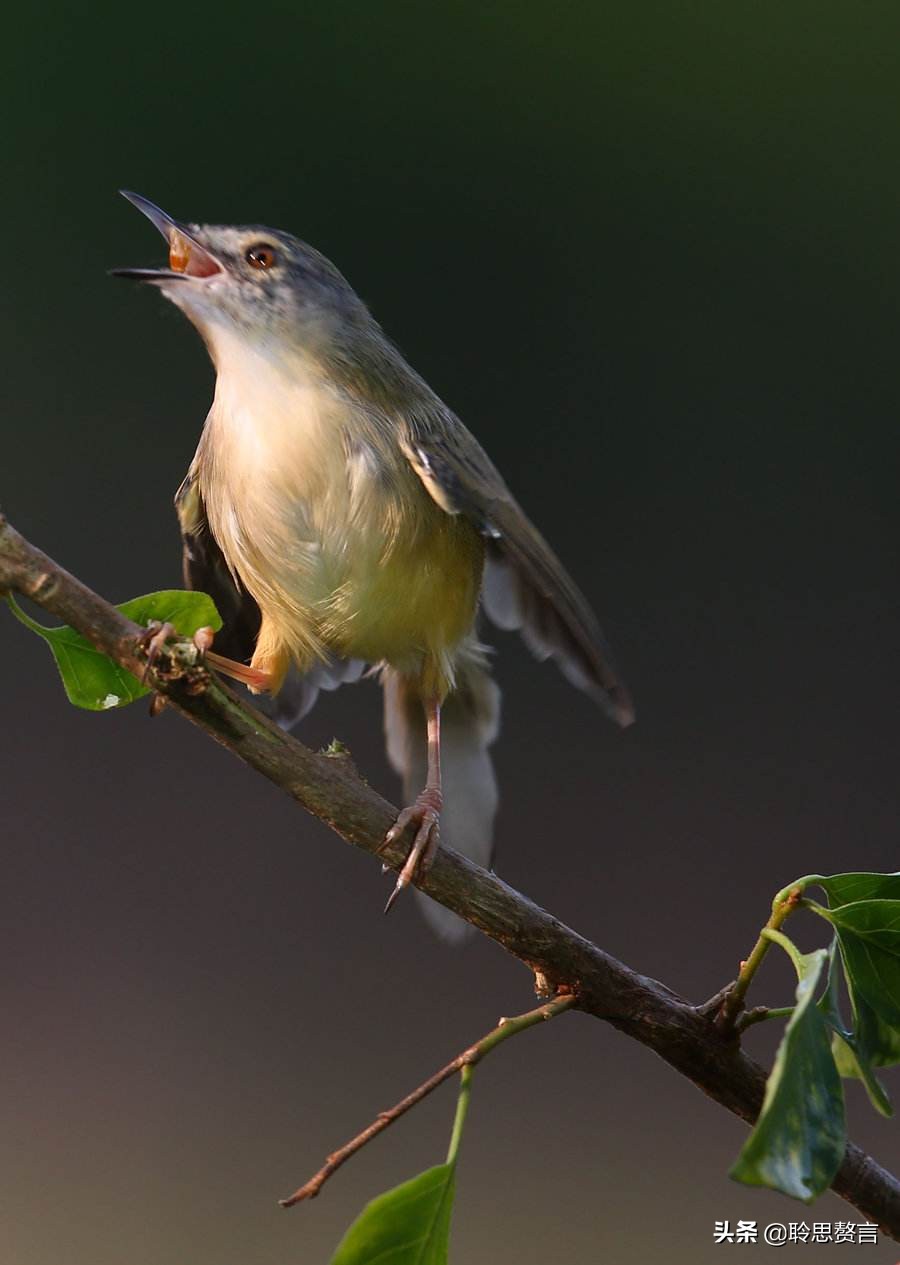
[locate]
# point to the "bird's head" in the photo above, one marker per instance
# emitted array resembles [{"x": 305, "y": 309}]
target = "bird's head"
[{"x": 263, "y": 287}]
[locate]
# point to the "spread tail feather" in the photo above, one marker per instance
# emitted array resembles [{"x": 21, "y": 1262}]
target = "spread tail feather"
[
  {"x": 298, "y": 694},
  {"x": 470, "y": 720}
]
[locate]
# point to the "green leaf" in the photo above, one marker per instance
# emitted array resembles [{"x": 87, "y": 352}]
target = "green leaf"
[
  {"x": 866, "y": 916},
  {"x": 798, "y": 1141},
  {"x": 409, "y": 1225},
  {"x": 870, "y": 951},
  {"x": 857, "y": 1055},
  {"x": 843, "y": 889},
  {"x": 875, "y": 922},
  {"x": 871, "y": 957},
  {"x": 92, "y": 680},
  {"x": 184, "y": 609},
  {"x": 868, "y": 932},
  {"x": 855, "y": 1051}
]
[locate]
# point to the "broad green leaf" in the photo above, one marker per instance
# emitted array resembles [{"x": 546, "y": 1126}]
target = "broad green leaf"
[
  {"x": 871, "y": 958},
  {"x": 798, "y": 1141},
  {"x": 855, "y": 1050},
  {"x": 843, "y": 889},
  {"x": 409, "y": 1225},
  {"x": 93, "y": 681},
  {"x": 880, "y": 1040},
  {"x": 871, "y": 1045},
  {"x": 184, "y": 609},
  {"x": 876, "y": 922}
]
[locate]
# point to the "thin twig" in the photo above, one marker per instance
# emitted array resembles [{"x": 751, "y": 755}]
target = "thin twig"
[
  {"x": 713, "y": 1004},
  {"x": 330, "y": 787},
  {"x": 759, "y": 1014},
  {"x": 467, "y": 1059},
  {"x": 733, "y": 1003}
]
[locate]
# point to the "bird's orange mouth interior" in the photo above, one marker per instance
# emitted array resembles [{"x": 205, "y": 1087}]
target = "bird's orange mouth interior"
[{"x": 187, "y": 257}]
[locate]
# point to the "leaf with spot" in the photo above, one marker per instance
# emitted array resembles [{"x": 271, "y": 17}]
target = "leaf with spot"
[
  {"x": 95, "y": 682},
  {"x": 798, "y": 1141}
]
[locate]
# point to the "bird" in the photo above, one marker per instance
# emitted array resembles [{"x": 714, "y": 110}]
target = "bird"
[{"x": 345, "y": 521}]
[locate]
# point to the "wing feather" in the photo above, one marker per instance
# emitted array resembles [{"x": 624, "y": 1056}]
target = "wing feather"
[
  {"x": 204, "y": 568},
  {"x": 526, "y": 587}
]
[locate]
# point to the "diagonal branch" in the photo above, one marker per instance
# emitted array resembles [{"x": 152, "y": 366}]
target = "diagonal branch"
[
  {"x": 466, "y": 1059},
  {"x": 330, "y": 787}
]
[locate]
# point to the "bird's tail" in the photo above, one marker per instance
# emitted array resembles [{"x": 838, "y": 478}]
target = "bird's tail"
[{"x": 470, "y": 720}]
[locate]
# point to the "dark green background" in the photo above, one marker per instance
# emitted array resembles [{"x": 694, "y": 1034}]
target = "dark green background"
[{"x": 651, "y": 255}]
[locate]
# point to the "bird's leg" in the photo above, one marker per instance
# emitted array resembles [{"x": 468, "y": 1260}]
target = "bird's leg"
[
  {"x": 254, "y": 678},
  {"x": 156, "y": 635},
  {"x": 425, "y": 813}
]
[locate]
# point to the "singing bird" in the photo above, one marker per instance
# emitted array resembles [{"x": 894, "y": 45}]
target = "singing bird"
[{"x": 343, "y": 518}]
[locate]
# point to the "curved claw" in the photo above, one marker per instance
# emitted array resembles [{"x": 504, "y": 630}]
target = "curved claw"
[
  {"x": 153, "y": 640},
  {"x": 426, "y": 814},
  {"x": 398, "y": 888}
]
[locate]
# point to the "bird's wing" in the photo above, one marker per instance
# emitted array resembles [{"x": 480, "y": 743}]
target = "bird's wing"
[
  {"x": 205, "y": 569},
  {"x": 525, "y": 587}
]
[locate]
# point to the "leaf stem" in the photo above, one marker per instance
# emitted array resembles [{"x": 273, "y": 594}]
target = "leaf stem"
[
  {"x": 785, "y": 904},
  {"x": 462, "y": 1106},
  {"x": 815, "y": 908},
  {"x": 464, "y": 1063},
  {"x": 25, "y": 619},
  {"x": 779, "y": 938},
  {"x": 760, "y": 1014}
]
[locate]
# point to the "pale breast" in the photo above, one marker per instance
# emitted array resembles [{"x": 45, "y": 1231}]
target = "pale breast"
[{"x": 319, "y": 513}]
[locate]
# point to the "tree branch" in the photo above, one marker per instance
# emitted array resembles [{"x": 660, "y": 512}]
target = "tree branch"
[
  {"x": 733, "y": 1002},
  {"x": 330, "y": 787},
  {"x": 467, "y": 1059}
]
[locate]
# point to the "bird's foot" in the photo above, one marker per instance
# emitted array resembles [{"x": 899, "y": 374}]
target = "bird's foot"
[
  {"x": 183, "y": 662},
  {"x": 156, "y": 636},
  {"x": 152, "y": 641},
  {"x": 254, "y": 678},
  {"x": 425, "y": 817}
]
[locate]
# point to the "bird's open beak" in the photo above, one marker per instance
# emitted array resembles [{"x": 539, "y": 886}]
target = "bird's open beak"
[{"x": 187, "y": 258}]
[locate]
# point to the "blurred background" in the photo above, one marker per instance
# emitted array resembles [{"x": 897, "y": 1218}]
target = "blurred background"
[{"x": 651, "y": 255}]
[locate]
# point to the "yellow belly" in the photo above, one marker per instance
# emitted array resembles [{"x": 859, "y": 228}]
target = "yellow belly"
[
  {"x": 415, "y": 601},
  {"x": 410, "y": 605},
  {"x": 320, "y": 514}
]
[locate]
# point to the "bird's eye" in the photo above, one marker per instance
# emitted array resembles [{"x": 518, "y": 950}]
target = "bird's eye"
[{"x": 261, "y": 256}]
